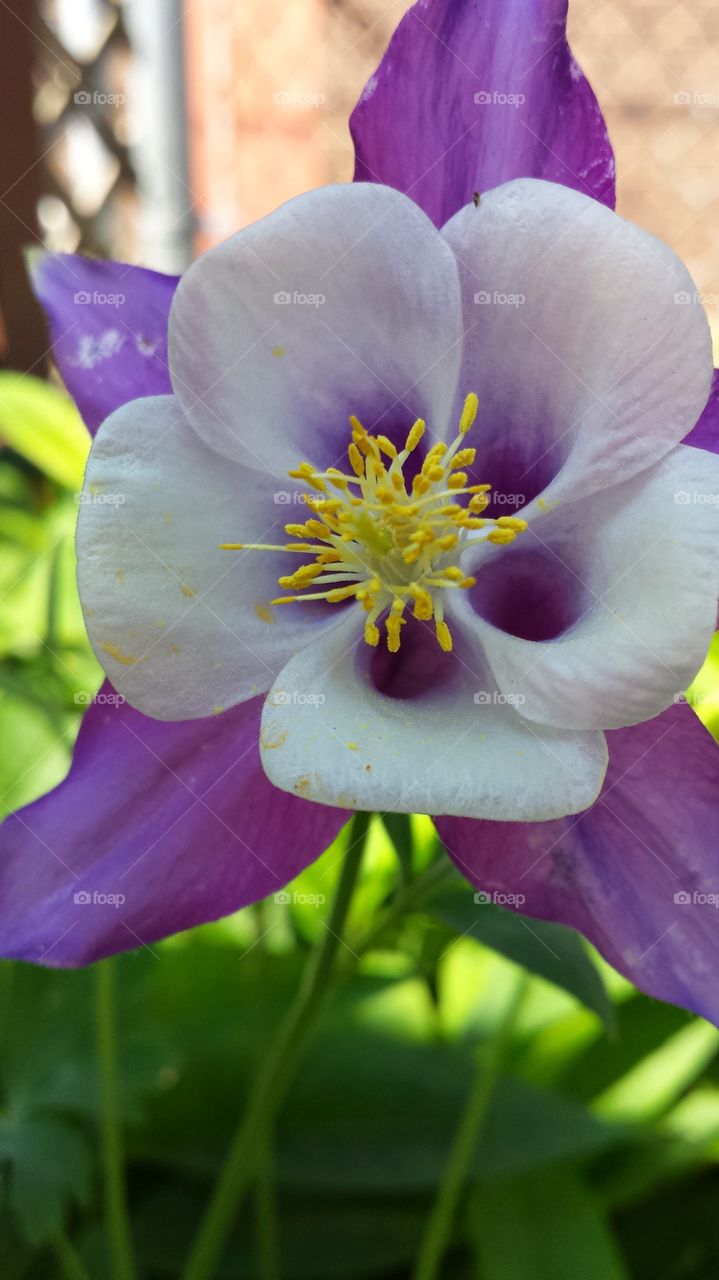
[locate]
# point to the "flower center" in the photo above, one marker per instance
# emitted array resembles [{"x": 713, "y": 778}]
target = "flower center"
[{"x": 389, "y": 546}]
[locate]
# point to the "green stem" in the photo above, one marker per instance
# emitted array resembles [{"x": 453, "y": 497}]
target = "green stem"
[
  {"x": 117, "y": 1217},
  {"x": 409, "y": 899},
  {"x": 266, "y": 1222},
  {"x": 441, "y": 1219},
  {"x": 69, "y": 1261},
  {"x": 53, "y": 598},
  {"x": 271, "y": 1082}
]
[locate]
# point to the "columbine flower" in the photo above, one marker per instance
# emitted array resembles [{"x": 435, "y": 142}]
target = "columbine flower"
[
  {"x": 474, "y": 662},
  {"x": 424, "y": 654}
]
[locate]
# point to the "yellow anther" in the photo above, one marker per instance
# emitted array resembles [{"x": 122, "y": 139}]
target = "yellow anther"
[
  {"x": 342, "y": 593},
  {"x": 307, "y": 472},
  {"x": 306, "y": 573},
  {"x": 386, "y": 446},
  {"x": 469, "y": 413},
  {"x": 316, "y": 529},
  {"x": 327, "y": 505},
  {"x": 363, "y": 539},
  {"x": 423, "y": 605},
  {"x": 364, "y": 444},
  {"x": 512, "y": 522},
  {"x": 444, "y": 635},
  {"x": 415, "y": 435},
  {"x": 464, "y": 458},
  {"x": 412, "y": 556},
  {"x": 356, "y": 461},
  {"x": 394, "y": 623}
]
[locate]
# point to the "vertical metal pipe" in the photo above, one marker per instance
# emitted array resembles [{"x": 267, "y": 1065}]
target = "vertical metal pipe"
[{"x": 158, "y": 122}]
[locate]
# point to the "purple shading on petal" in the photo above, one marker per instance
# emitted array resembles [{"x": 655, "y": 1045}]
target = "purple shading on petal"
[
  {"x": 419, "y": 667},
  {"x": 108, "y": 325},
  {"x": 638, "y": 873},
  {"x": 530, "y": 593},
  {"x": 705, "y": 435},
  {"x": 157, "y": 827},
  {"x": 472, "y": 93}
]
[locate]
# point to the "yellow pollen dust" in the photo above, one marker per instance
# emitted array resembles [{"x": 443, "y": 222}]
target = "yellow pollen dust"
[{"x": 388, "y": 545}]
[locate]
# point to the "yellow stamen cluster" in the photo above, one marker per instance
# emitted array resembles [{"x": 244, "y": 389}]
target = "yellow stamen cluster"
[{"x": 389, "y": 547}]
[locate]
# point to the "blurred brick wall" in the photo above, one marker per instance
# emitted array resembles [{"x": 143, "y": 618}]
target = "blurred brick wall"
[
  {"x": 293, "y": 71},
  {"x": 256, "y": 70},
  {"x": 655, "y": 68}
]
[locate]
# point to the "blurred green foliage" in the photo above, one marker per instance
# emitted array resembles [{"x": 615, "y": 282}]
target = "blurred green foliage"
[{"x": 599, "y": 1157}]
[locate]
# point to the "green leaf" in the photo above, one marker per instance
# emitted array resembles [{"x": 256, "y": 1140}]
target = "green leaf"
[
  {"x": 320, "y": 1238},
  {"x": 399, "y": 830},
  {"x": 549, "y": 950},
  {"x": 50, "y": 1167},
  {"x": 656, "y": 1083},
  {"x": 547, "y": 1226},
  {"x": 41, "y": 423},
  {"x": 40, "y": 752}
]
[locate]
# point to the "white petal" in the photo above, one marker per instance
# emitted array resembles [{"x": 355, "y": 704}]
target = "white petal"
[
  {"x": 182, "y": 628},
  {"x": 329, "y": 735},
  {"x": 645, "y": 556},
  {"x": 586, "y": 343},
  {"x": 345, "y": 300}
]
